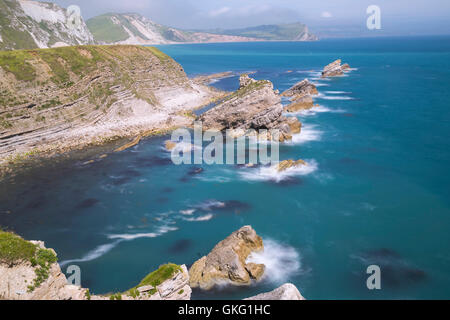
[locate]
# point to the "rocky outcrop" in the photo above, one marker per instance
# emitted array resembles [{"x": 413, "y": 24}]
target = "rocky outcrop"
[
  {"x": 254, "y": 106},
  {"x": 29, "y": 271},
  {"x": 335, "y": 69},
  {"x": 300, "y": 89},
  {"x": 63, "y": 98},
  {"x": 286, "y": 292},
  {"x": 288, "y": 164},
  {"x": 226, "y": 263},
  {"x": 245, "y": 80},
  {"x": 301, "y": 96}
]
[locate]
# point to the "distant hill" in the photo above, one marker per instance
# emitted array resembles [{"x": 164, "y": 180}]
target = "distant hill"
[
  {"x": 26, "y": 24},
  {"x": 133, "y": 28},
  {"x": 29, "y": 24},
  {"x": 281, "y": 32}
]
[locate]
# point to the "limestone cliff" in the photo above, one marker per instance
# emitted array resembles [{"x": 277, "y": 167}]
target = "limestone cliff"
[
  {"x": 254, "y": 106},
  {"x": 29, "y": 271},
  {"x": 27, "y": 24},
  {"x": 60, "y": 98}
]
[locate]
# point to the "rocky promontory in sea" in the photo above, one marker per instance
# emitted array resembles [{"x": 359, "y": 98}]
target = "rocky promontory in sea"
[
  {"x": 29, "y": 271},
  {"x": 335, "y": 69},
  {"x": 53, "y": 100},
  {"x": 254, "y": 106},
  {"x": 226, "y": 263},
  {"x": 301, "y": 96}
]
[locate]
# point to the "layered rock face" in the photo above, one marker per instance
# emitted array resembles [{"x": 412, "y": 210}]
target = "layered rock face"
[
  {"x": 61, "y": 98},
  {"x": 226, "y": 263},
  {"x": 286, "y": 292},
  {"x": 301, "y": 96},
  {"x": 288, "y": 164},
  {"x": 29, "y": 271},
  {"x": 335, "y": 69},
  {"x": 254, "y": 106}
]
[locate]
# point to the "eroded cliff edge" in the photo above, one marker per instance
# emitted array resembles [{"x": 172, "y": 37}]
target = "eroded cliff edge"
[{"x": 63, "y": 98}]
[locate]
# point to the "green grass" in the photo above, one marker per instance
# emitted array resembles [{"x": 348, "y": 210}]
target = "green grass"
[
  {"x": 158, "y": 53},
  {"x": 14, "y": 250},
  {"x": 104, "y": 30},
  {"x": 16, "y": 62},
  {"x": 154, "y": 279},
  {"x": 159, "y": 276}
]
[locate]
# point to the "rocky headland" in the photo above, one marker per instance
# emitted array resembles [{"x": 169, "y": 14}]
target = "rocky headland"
[{"x": 52, "y": 100}]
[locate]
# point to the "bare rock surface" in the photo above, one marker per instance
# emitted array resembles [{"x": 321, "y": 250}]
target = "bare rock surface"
[
  {"x": 226, "y": 263},
  {"x": 254, "y": 106},
  {"x": 334, "y": 69},
  {"x": 17, "y": 276},
  {"x": 286, "y": 292}
]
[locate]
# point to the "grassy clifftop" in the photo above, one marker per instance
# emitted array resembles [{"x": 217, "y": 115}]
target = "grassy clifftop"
[{"x": 44, "y": 92}]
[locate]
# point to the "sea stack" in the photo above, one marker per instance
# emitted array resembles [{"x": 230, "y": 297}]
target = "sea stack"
[
  {"x": 226, "y": 263},
  {"x": 335, "y": 69},
  {"x": 301, "y": 95},
  {"x": 254, "y": 106}
]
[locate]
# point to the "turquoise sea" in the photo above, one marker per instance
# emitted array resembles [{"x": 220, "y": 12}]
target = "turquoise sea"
[{"x": 377, "y": 191}]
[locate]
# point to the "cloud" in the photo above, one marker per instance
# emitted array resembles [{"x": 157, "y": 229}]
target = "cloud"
[
  {"x": 326, "y": 14},
  {"x": 219, "y": 12}
]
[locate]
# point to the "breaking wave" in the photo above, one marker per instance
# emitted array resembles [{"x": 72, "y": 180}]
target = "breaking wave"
[
  {"x": 282, "y": 261},
  {"x": 272, "y": 174}
]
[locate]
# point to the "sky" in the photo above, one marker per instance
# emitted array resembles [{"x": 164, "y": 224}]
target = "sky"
[{"x": 329, "y": 18}]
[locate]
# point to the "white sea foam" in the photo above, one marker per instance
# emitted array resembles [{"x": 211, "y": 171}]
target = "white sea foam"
[
  {"x": 325, "y": 97},
  {"x": 94, "y": 254},
  {"x": 105, "y": 248},
  {"x": 308, "y": 133},
  {"x": 337, "y": 92},
  {"x": 187, "y": 212},
  {"x": 208, "y": 205},
  {"x": 272, "y": 174},
  {"x": 281, "y": 261},
  {"x": 206, "y": 217}
]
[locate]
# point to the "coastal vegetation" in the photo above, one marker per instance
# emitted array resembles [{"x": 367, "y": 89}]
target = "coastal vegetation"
[{"x": 15, "y": 250}]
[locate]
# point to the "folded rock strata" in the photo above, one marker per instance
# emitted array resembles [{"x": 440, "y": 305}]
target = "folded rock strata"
[
  {"x": 334, "y": 69},
  {"x": 254, "y": 106},
  {"x": 301, "y": 96},
  {"x": 226, "y": 263}
]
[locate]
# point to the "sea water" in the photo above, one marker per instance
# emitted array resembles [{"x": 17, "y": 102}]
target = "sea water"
[{"x": 376, "y": 190}]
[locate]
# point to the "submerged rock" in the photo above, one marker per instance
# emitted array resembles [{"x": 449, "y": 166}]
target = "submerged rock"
[
  {"x": 286, "y": 292},
  {"x": 254, "y": 106},
  {"x": 334, "y": 69},
  {"x": 226, "y": 263},
  {"x": 287, "y": 164},
  {"x": 170, "y": 145}
]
